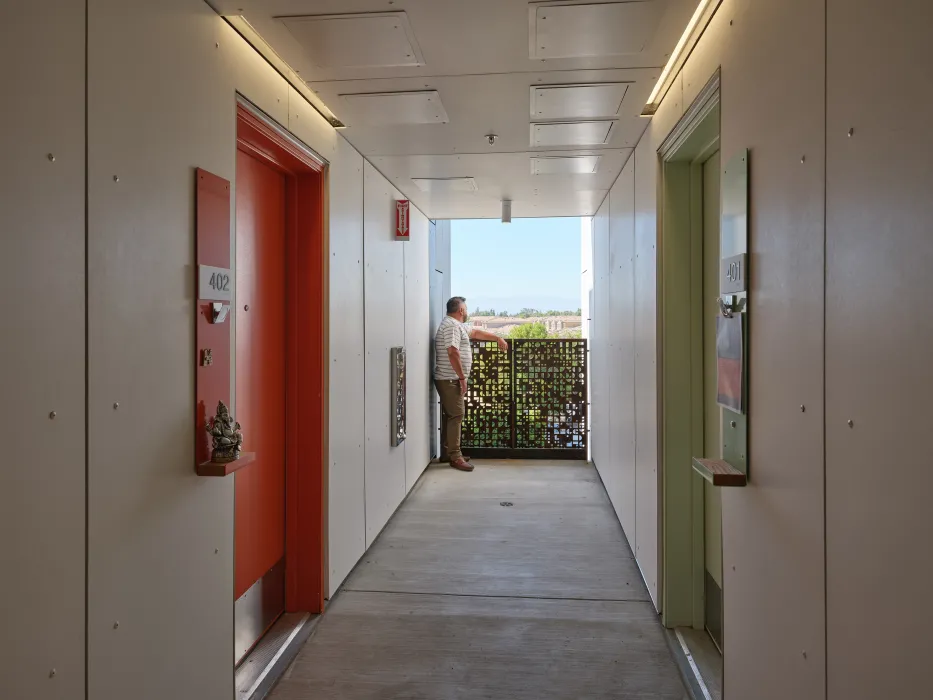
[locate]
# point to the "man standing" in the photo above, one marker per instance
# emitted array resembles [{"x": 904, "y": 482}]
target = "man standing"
[{"x": 454, "y": 359}]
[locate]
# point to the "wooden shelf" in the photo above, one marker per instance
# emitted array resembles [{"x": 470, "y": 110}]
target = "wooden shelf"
[
  {"x": 719, "y": 472},
  {"x": 225, "y": 468}
]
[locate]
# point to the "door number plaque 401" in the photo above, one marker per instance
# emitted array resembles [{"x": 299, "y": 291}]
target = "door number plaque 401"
[{"x": 732, "y": 275}]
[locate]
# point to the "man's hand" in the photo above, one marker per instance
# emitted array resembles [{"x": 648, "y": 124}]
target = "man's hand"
[
  {"x": 463, "y": 387},
  {"x": 503, "y": 344}
]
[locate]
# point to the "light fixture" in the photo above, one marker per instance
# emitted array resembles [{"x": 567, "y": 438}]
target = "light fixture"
[
  {"x": 506, "y": 211},
  {"x": 254, "y": 39},
  {"x": 701, "y": 17}
]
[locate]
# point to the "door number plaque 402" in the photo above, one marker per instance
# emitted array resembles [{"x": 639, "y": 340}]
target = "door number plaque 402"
[{"x": 215, "y": 283}]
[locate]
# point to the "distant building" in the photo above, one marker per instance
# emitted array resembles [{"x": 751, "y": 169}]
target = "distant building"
[{"x": 503, "y": 325}]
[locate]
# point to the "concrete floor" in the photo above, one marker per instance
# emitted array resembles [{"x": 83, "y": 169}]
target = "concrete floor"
[{"x": 464, "y": 598}]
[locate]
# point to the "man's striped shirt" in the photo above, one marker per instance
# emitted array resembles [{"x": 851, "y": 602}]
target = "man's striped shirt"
[{"x": 452, "y": 334}]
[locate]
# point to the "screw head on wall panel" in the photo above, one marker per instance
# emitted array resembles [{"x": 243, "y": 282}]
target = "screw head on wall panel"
[
  {"x": 116, "y": 405},
  {"x": 851, "y": 132},
  {"x": 116, "y": 178},
  {"x": 52, "y": 415},
  {"x": 732, "y": 424},
  {"x": 803, "y": 159},
  {"x": 51, "y": 158},
  {"x": 803, "y": 408},
  {"x": 116, "y": 625},
  {"x": 851, "y": 424},
  {"x": 53, "y": 673}
]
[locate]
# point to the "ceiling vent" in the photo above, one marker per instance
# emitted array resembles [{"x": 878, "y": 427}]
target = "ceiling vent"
[
  {"x": 365, "y": 40},
  {"x": 568, "y": 30},
  {"x": 577, "y": 101},
  {"x": 590, "y": 133},
  {"x": 391, "y": 108},
  {"x": 564, "y": 165},
  {"x": 442, "y": 185}
]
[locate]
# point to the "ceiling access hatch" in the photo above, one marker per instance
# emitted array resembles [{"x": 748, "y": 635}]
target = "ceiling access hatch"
[
  {"x": 565, "y": 30},
  {"x": 442, "y": 185},
  {"x": 589, "y": 133},
  {"x": 393, "y": 108},
  {"x": 363, "y": 40},
  {"x": 564, "y": 165},
  {"x": 577, "y": 101}
]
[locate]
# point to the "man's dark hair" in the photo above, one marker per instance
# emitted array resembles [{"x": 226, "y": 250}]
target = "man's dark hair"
[{"x": 453, "y": 304}]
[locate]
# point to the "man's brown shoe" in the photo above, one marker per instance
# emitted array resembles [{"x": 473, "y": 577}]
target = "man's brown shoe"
[
  {"x": 462, "y": 465},
  {"x": 446, "y": 460}
]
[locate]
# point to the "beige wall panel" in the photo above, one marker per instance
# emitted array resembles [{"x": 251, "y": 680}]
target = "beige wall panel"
[
  {"x": 600, "y": 410},
  {"x": 879, "y": 337},
  {"x": 162, "y": 101},
  {"x": 773, "y": 529},
  {"x": 384, "y": 289},
  {"x": 778, "y": 518},
  {"x": 308, "y": 125},
  {"x": 255, "y": 80},
  {"x": 346, "y": 512},
  {"x": 646, "y": 545},
  {"x": 42, "y": 359},
  {"x": 418, "y": 343},
  {"x": 622, "y": 347},
  {"x": 669, "y": 113},
  {"x": 648, "y": 534}
]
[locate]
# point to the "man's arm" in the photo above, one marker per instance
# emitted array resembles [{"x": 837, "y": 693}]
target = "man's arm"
[
  {"x": 477, "y": 334},
  {"x": 454, "y": 354}
]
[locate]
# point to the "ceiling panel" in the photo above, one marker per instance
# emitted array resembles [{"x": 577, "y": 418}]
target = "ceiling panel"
[
  {"x": 501, "y": 176},
  {"x": 570, "y": 30},
  {"x": 356, "y": 40},
  {"x": 477, "y": 105},
  {"x": 457, "y": 37},
  {"x": 570, "y": 134},
  {"x": 577, "y": 101},
  {"x": 388, "y": 108},
  {"x": 445, "y": 185},
  {"x": 467, "y": 71},
  {"x": 557, "y": 165}
]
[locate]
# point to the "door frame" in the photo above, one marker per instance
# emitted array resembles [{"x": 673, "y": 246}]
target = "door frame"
[
  {"x": 680, "y": 356},
  {"x": 306, "y": 391}
]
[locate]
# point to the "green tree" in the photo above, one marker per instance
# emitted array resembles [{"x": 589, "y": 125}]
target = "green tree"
[
  {"x": 484, "y": 312},
  {"x": 528, "y": 313},
  {"x": 529, "y": 330},
  {"x": 504, "y": 314}
]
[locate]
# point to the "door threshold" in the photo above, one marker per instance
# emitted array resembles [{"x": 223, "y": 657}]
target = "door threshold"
[
  {"x": 698, "y": 660},
  {"x": 272, "y": 655}
]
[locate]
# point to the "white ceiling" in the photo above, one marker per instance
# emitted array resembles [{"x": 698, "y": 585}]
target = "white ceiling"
[{"x": 471, "y": 59}]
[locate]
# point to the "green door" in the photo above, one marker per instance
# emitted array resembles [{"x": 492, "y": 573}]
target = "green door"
[{"x": 712, "y": 414}]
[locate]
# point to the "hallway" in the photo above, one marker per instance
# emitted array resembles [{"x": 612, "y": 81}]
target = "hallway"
[{"x": 465, "y": 597}]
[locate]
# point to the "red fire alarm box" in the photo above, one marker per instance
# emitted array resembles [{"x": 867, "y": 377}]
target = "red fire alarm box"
[{"x": 402, "y": 228}]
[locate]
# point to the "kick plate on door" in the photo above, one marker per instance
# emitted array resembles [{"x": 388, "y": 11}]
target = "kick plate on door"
[{"x": 257, "y": 609}]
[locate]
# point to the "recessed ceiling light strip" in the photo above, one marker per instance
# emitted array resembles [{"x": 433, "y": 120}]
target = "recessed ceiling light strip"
[{"x": 695, "y": 28}]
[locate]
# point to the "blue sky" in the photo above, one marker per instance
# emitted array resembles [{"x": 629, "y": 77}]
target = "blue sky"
[{"x": 532, "y": 263}]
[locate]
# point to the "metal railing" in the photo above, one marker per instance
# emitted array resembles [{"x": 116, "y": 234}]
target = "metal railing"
[{"x": 529, "y": 402}]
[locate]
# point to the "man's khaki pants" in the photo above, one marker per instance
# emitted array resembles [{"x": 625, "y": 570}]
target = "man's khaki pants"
[{"x": 451, "y": 418}]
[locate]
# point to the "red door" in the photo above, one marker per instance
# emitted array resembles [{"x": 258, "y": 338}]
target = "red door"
[{"x": 260, "y": 399}]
